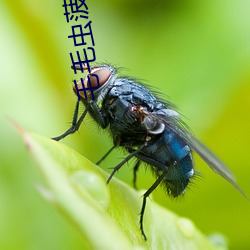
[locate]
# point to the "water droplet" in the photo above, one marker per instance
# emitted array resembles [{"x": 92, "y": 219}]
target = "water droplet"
[
  {"x": 94, "y": 185},
  {"x": 186, "y": 226}
]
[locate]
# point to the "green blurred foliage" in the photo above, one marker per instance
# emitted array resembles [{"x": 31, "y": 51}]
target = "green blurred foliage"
[
  {"x": 197, "y": 53},
  {"x": 101, "y": 212}
]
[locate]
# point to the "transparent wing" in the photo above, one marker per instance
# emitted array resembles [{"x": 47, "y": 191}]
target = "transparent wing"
[
  {"x": 208, "y": 156},
  {"x": 175, "y": 124}
]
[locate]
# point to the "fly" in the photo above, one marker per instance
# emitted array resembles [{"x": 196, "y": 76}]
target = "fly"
[{"x": 149, "y": 128}]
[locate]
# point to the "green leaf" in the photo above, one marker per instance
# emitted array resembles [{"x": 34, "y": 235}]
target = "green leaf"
[{"x": 107, "y": 215}]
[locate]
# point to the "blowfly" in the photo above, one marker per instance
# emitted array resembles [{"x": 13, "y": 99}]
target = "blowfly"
[{"x": 148, "y": 127}]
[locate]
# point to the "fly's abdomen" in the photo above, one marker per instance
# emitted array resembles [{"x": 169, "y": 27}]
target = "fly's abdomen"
[
  {"x": 180, "y": 165},
  {"x": 170, "y": 155},
  {"x": 178, "y": 176}
]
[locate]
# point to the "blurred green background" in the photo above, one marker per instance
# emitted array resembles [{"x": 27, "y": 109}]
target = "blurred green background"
[{"x": 197, "y": 53}]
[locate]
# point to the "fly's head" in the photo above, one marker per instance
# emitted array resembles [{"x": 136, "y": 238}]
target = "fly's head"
[{"x": 106, "y": 75}]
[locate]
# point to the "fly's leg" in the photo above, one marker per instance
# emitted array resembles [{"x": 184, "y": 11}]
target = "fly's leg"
[
  {"x": 145, "y": 196},
  {"x": 125, "y": 160},
  {"x": 75, "y": 124},
  {"x": 100, "y": 117},
  {"x": 136, "y": 167},
  {"x": 105, "y": 155}
]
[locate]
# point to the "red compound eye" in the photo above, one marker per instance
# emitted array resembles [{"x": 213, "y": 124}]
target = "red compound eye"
[{"x": 103, "y": 75}]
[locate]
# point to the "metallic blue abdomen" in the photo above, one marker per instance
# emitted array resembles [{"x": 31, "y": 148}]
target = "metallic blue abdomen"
[{"x": 169, "y": 153}]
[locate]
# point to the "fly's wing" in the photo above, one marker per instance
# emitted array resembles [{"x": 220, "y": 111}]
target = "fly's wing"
[
  {"x": 212, "y": 160},
  {"x": 175, "y": 124}
]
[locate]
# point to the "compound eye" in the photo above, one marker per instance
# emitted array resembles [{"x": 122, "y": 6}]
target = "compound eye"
[{"x": 102, "y": 74}]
